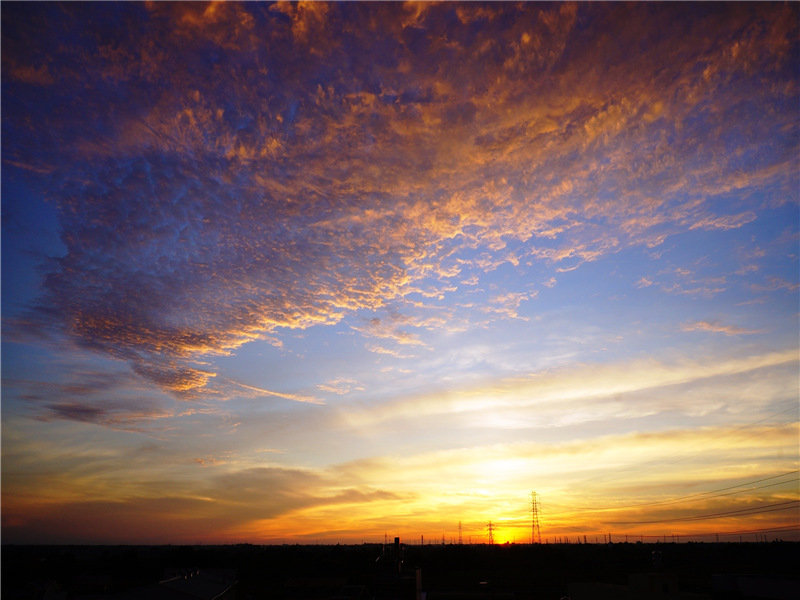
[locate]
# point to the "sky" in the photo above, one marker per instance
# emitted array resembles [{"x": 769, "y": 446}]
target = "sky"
[{"x": 323, "y": 273}]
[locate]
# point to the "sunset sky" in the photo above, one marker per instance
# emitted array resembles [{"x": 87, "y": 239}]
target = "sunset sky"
[{"x": 319, "y": 273}]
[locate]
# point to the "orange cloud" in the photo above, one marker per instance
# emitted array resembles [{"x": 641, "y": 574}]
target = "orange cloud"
[
  {"x": 202, "y": 204},
  {"x": 725, "y": 222},
  {"x": 716, "y": 327}
]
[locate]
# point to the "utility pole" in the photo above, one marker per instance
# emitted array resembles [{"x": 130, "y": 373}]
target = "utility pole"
[
  {"x": 536, "y": 534},
  {"x": 490, "y": 527}
]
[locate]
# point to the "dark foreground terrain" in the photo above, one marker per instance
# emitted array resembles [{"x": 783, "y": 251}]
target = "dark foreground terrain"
[{"x": 399, "y": 572}]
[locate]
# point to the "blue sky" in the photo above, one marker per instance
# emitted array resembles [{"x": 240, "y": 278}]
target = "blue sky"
[{"x": 394, "y": 266}]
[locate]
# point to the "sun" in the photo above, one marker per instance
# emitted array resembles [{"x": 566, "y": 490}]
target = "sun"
[{"x": 501, "y": 540}]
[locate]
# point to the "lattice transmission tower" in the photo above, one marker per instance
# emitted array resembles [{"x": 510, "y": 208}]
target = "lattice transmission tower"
[
  {"x": 536, "y": 534},
  {"x": 490, "y": 527},
  {"x": 460, "y": 540}
]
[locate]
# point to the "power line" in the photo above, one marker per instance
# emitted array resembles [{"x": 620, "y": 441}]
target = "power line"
[
  {"x": 730, "y": 487},
  {"x": 758, "y": 487},
  {"x": 756, "y": 510},
  {"x": 689, "y": 535},
  {"x": 766, "y": 530},
  {"x": 785, "y": 529},
  {"x": 719, "y": 492},
  {"x": 692, "y": 450},
  {"x": 682, "y": 499}
]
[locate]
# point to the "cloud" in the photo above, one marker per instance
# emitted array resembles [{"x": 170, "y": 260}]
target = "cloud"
[
  {"x": 108, "y": 398},
  {"x": 716, "y": 327},
  {"x": 775, "y": 283},
  {"x": 204, "y": 462},
  {"x": 40, "y": 75},
  {"x": 615, "y": 462},
  {"x": 211, "y": 509},
  {"x": 189, "y": 152},
  {"x": 506, "y": 305},
  {"x": 124, "y": 414},
  {"x": 179, "y": 380},
  {"x": 340, "y": 386},
  {"x": 381, "y": 350},
  {"x": 726, "y": 221},
  {"x": 262, "y": 392},
  {"x": 475, "y": 482},
  {"x": 593, "y": 392},
  {"x": 391, "y": 329},
  {"x": 395, "y": 489}
]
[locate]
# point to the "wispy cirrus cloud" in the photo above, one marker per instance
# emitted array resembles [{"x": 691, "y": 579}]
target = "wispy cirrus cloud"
[
  {"x": 378, "y": 349},
  {"x": 717, "y": 327},
  {"x": 208, "y": 462},
  {"x": 592, "y": 391},
  {"x": 773, "y": 283},
  {"x": 340, "y": 386},
  {"x": 257, "y": 391}
]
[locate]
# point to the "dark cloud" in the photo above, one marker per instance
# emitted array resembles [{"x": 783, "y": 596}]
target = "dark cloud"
[
  {"x": 207, "y": 511},
  {"x": 223, "y": 171},
  {"x": 111, "y": 399},
  {"x": 125, "y": 413}
]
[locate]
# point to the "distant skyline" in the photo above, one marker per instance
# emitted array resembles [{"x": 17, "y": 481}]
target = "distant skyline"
[{"x": 330, "y": 272}]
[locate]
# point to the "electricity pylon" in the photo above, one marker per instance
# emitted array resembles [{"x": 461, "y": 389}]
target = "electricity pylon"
[
  {"x": 460, "y": 541},
  {"x": 536, "y": 535},
  {"x": 490, "y": 527}
]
